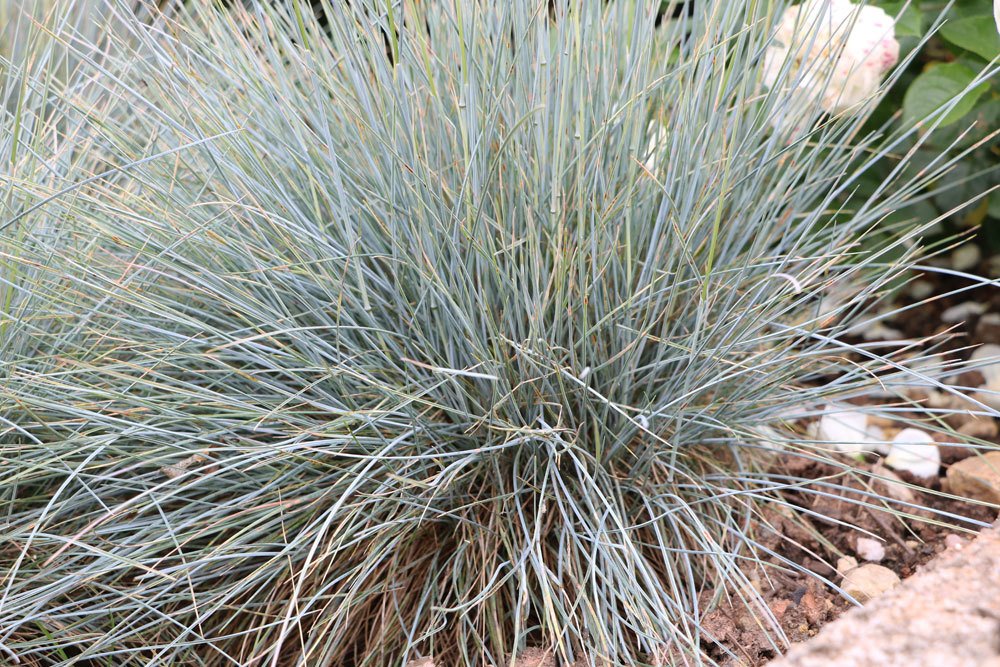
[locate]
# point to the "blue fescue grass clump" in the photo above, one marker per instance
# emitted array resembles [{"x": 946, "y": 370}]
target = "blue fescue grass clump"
[{"x": 421, "y": 328}]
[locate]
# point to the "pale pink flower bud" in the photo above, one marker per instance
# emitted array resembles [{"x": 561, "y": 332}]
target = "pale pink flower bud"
[{"x": 836, "y": 53}]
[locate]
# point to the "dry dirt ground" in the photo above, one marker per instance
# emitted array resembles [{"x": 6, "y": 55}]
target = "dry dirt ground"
[
  {"x": 945, "y": 615},
  {"x": 801, "y": 604}
]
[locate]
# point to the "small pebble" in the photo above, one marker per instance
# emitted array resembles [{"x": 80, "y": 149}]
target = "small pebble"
[
  {"x": 993, "y": 266},
  {"x": 988, "y": 328},
  {"x": 921, "y": 289},
  {"x": 915, "y": 452},
  {"x": 979, "y": 427},
  {"x": 990, "y": 396},
  {"x": 953, "y": 541},
  {"x": 779, "y": 607},
  {"x": 869, "y": 581},
  {"x": 877, "y": 436},
  {"x": 977, "y": 477},
  {"x": 966, "y": 257},
  {"x": 813, "y": 608},
  {"x": 946, "y": 400},
  {"x": 986, "y": 359},
  {"x": 845, "y": 564},
  {"x": 888, "y": 482},
  {"x": 846, "y": 430},
  {"x": 879, "y": 331},
  {"x": 870, "y": 550},
  {"x": 963, "y": 311},
  {"x": 770, "y": 439}
]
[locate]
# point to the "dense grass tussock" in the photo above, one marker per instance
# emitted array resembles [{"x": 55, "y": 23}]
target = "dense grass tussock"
[{"x": 430, "y": 328}]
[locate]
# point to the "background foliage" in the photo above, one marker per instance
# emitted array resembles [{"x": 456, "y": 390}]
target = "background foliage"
[{"x": 964, "y": 40}]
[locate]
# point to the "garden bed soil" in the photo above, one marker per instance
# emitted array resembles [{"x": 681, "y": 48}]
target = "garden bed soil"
[
  {"x": 948, "y": 614},
  {"x": 799, "y": 602}
]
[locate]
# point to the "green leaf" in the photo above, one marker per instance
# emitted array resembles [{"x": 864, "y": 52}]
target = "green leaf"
[
  {"x": 977, "y": 34},
  {"x": 986, "y": 117},
  {"x": 937, "y": 87},
  {"x": 963, "y": 8},
  {"x": 994, "y": 207},
  {"x": 909, "y": 21}
]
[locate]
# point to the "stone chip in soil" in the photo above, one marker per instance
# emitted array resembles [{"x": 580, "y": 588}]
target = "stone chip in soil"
[
  {"x": 870, "y": 549},
  {"x": 869, "y": 581},
  {"x": 976, "y": 477},
  {"x": 421, "y": 662}
]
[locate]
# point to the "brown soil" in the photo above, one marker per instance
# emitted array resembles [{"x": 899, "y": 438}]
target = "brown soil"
[
  {"x": 925, "y": 319},
  {"x": 800, "y": 603},
  {"x": 946, "y": 615}
]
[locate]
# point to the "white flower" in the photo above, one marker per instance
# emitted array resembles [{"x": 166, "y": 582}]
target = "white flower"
[
  {"x": 996, "y": 13},
  {"x": 835, "y": 52}
]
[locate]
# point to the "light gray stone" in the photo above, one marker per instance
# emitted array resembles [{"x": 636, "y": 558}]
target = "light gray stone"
[
  {"x": 869, "y": 581},
  {"x": 870, "y": 549},
  {"x": 977, "y": 477}
]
